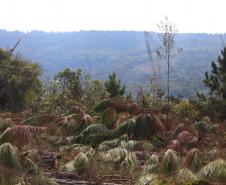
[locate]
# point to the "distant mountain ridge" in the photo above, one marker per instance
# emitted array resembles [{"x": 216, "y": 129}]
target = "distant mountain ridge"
[{"x": 101, "y": 52}]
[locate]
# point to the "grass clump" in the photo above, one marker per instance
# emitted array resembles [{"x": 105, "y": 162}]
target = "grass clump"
[
  {"x": 170, "y": 162},
  {"x": 193, "y": 160},
  {"x": 42, "y": 180},
  {"x": 9, "y": 165},
  {"x": 185, "y": 177},
  {"x": 79, "y": 164},
  {"x": 214, "y": 171},
  {"x": 115, "y": 155},
  {"x": 153, "y": 164},
  {"x": 5, "y": 123}
]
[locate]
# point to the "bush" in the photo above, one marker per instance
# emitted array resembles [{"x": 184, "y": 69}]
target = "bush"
[
  {"x": 185, "y": 109},
  {"x": 214, "y": 171},
  {"x": 193, "y": 160},
  {"x": 185, "y": 177},
  {"x": 79, "y": 164},
  {"x": 20, "y": 83},
  {"x": 170, "y": 162}
]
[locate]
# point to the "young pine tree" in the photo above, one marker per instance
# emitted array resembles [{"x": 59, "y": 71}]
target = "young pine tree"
[
  {"x": 216, "y": 82},
  {"x": 113, "y": 86}
]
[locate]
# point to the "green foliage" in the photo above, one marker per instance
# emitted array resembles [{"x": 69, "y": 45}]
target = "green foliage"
[
  {"x": 121, "y": 51},
  {"x": 142, "y": 127},
  {"x": 150, "y": 179},
  {"x": 214, "y": 153},
  {"x": 70, "y": 88},
  {"x": 131, "y": 145},
  {"x": 8, "y": 163},
  {"x": 79, "y": 164},
  {"x": 93, "y": 93},
  {"x": 125, "y": 128},
  {"x": 74, "y": 126},
  {"x": 122, "y": 156},
  {"x": 130, "y": 162},
  {"x": 93, "y": 135},
  {"x": 13, "y": 167},
  {"x": 170, "y": 162},
  {"x": 4, "y": 124},
  {"x": 185, "y": 177},
  {"x": 185, "y": 109},
  {"x": 114, "y": 87},
  {"x": 65, "y": 90},
  {"x": 101, "y": 105},
  {"x": 70, "y": 125},
  {"x": 202, "y": 126},
  {"x": 149, "y": 96},
  {"x": 153, "y": 164},
  {"x": 28, "y": 165},
  {"x": 115, "y": 155},
  {"x": 216, "y": 82},
  {"x": 20, "y": 83},
  {"x": 109, "y": 144},
  {"x": 8, "y": 156},
  {"x": 118, "y": 142},
  {"x": 152, "y": 159},
  {"x": 193, "y": 160},
  {"x": 70, "y": 82},
  {"x": 214, "y": 171},
  {"x": 145, "y": 126}
]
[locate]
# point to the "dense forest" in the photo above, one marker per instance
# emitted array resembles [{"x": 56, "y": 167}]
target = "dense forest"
[{"x": 101, "y": 52}]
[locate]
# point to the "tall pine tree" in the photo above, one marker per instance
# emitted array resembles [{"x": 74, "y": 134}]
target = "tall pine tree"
[{"x": 216, "y": 80}]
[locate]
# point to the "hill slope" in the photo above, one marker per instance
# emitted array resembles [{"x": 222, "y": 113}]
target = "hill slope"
[{"x": 101, "y": 52}]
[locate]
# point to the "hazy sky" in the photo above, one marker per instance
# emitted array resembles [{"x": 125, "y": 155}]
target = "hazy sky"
[{"x": 73, "y": 15}]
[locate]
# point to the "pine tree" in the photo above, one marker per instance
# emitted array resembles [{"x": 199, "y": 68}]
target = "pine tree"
[
  {"x": 216, "y": 81},
  {"x": 113, "y": 86}
]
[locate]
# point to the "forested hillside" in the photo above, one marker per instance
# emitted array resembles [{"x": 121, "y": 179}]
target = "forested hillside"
[{"x": 101, "y": 52}]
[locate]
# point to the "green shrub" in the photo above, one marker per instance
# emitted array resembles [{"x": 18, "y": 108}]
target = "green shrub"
[
  {"x": 5, "y": 123},
  {"x": 170, "y": 162},
  {"x": 193, "y": 159},
  {"x": 185, "y": 109},
  {"x": 202, "y": 126},
  {"x": 153, "y": 164},
  {"x": 185, "y": 177},
  {"x": 214, "y": 171},
  {"x": 126, "y": 128},
  {"x": 79, "y": 164},
  {"x": 20, "y": 83}
]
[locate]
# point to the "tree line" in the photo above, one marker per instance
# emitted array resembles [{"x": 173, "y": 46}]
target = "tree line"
[{"x": 21, "y": 88}]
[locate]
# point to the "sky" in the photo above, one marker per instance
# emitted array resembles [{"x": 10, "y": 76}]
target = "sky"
[{"x": 139, "y": 15}]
